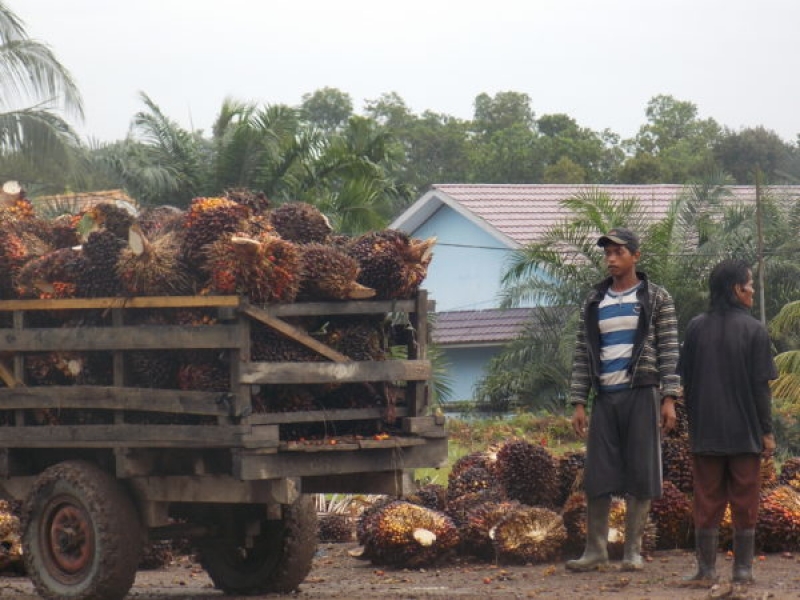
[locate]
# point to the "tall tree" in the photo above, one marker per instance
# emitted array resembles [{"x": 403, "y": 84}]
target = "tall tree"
[
  {"x": 37, "y": 93},
  {"x": 506, "y": 110},
  {"x": 740, "y": 153},
  {"x": 327, "y": 108}
]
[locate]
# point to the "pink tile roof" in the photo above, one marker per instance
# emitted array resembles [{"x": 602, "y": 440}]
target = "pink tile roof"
[
  {"x": 480, "y": 326},
  {"x": 524, "y": 212}
]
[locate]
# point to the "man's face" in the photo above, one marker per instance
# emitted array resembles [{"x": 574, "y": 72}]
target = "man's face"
[
  {"x": 619, "y": 260},
  {"x": 745, "y": 292}
]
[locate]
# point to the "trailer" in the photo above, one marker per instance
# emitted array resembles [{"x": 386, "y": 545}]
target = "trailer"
[{"x": 101, "y": 469}]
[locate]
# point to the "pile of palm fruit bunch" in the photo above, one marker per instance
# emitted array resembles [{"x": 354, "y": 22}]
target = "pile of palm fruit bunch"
[{"x": 237, "y": 243}]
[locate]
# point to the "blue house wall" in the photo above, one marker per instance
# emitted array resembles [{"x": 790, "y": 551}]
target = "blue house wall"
[
  {"x": 467, "y": 264},
  {"x": 466, "y": 368}
]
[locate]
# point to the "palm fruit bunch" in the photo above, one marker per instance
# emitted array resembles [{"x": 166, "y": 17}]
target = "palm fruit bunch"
[
  {"x": 264, "y": 268},
  {"x": 366, "y": 521},
  {"x": 360, "y": 338},
  {"x": 790, "y": 472},
  {"x": 54, "y": 368},
  {"x": 570, "y": 474},
  {"x": 672, "y": 516},
  {"x": 768, "y": 473},
  {"x": 14, "y": 252},
  {"x": 473, "y": 479},
  {"x": 146, "y": 268},
  {"x": 478, "y": 528},
  {"x": 458, "y": 508},
  {"x": 528, "y": 472},
  {"x": 574, "y": 514},
  {"x": 484, "y": 459},
  {"x": 159, "y": 220},
  {"x": 98, "y": 278},
  {"x": 300, "y": 222},
  {"x": 53, "y": 275},
  {"x": 431, "y": 495},
  {"x": 335, "y": 528},
  {"x": 616, "y": 531},
  {"x": 351, "y": 395},
  {"x": 529, "y": 534},
  {"x": 203, "y": 370},
  {"x": 726, "y": 529},
  {"x": 391, "y": 262},
  {"x": 112, "y": 218},
  {"x": 408, "y": 535},
  {"x": 257, "y": 202},
  {"x": 10, "y": 541},
  {"x": 778, "y": 527},
  {"x": 61, "y": 232},
  {"x": 330, "y": 274},
  {"x": 152, "y": 368},
  {"x": 206, "y": 221},
  {"x": 677, "y": 463}
]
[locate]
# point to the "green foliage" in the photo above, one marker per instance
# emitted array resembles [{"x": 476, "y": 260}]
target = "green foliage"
[{"x": 553, "y": 431}]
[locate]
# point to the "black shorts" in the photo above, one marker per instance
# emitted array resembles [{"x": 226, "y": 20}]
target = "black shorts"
[{"x": 623, "y": 450}]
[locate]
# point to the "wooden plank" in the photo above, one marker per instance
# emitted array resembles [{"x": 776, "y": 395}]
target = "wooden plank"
[
  {"x": 391, "y": 483},
  {"x": 113, "y": 436},
  {"x": 350, "y": 307},
  {"x": 331, "y": 445},
  {"x": 288, "y": 372},
  {"x": 116, "y": 398},
  {"x": 248, "y": 466},
  {"x": 342, "y": 414},
  {"x": 138, "y": 337},
  {"x": 298, "y": 335},
  {"x": 216, "y": 488},
  {"x": 134, "y": 302}
]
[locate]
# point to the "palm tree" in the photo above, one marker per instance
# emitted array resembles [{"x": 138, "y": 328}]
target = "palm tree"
[{"x": 35, "y": 90}]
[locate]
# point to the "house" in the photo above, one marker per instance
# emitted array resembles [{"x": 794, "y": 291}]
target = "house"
[{"x": 478, "y": 227}]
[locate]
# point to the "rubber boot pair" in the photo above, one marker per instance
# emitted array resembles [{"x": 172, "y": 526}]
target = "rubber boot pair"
[
  {"x": 636, "y": 512},
  {"x": 595, "y": 555},
  {"x": 706, "y": 543},
  {"x": 743, "y": 549}
]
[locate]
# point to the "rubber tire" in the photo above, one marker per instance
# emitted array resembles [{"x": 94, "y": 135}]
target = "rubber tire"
[
  {"x": 279, "y": 560},
  {"x": 80, "y": 491}
]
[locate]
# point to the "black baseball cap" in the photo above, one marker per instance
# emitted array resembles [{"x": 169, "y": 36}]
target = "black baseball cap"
[{"x": 622, "y": 236}]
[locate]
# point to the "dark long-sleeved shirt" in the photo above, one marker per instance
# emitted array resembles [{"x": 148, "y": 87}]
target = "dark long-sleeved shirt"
[{"x": 726, "y": 365}]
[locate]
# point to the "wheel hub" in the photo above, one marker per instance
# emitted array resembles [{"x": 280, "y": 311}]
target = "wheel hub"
[{"x": 70, "y": 541}]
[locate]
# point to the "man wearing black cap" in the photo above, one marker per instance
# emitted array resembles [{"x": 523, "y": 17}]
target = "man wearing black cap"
[{"x": 626, "y": 355}]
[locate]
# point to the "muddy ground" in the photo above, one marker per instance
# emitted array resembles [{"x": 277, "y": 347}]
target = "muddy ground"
[{"x": 335, "y": 574}]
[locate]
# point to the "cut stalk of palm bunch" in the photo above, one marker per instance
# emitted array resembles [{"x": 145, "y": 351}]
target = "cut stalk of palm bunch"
[{"x": 146, "y": 268}]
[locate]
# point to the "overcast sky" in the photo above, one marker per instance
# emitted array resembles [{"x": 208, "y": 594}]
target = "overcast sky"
[{"x": 599, "y": 61}]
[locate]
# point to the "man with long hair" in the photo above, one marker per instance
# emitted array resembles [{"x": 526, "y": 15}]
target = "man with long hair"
[{"x": 726, "y": 365}]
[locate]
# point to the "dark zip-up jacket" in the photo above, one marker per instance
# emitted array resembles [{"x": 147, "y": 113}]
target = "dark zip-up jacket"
[{"x": 655, "y": 348}]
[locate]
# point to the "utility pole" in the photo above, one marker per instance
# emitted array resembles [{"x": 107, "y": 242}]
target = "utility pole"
[{"x": 760, "y": 248}]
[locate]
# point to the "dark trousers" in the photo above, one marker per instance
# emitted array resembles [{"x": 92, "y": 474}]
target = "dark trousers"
[
  {"x": 723, "y": 480},
  {"x": 623, "y": 450}
]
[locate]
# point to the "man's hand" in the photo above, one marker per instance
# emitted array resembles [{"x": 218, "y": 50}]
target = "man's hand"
[
  {"x": 667, "y": 414},
  {"x": 769, "y": 445},
  {"x": 579, "y": 420}
]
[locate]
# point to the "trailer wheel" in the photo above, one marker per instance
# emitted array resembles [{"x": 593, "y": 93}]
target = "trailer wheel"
[
  {"x": 81, "y": 534},
  {"x": 278, "y": 559}
]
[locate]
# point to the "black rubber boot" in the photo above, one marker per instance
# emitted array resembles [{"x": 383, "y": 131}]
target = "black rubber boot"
[
  {"x": 743, "y": 548},
  {"x": 706, "y": 543},
  {"x": 595, "y": 556},
  {"x": 636, "y": 512}
]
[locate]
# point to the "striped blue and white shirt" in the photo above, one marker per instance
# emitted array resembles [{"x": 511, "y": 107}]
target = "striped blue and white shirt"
[{"x": 618, "y": 318}]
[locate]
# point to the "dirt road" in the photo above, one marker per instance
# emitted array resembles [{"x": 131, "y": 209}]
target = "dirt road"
[{"x": 336, "y": 575}]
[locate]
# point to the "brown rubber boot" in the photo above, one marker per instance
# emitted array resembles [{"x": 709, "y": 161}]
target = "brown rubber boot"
[
  {"x": 743, "y": 548},
  {"x": 706, "y": 543}
]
